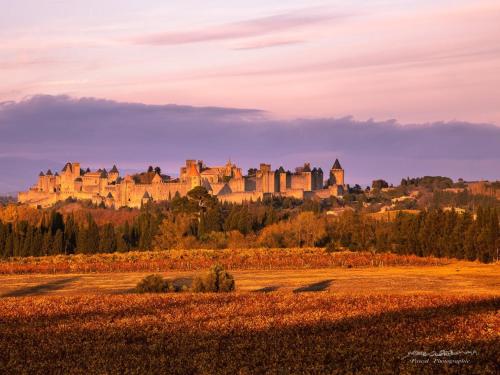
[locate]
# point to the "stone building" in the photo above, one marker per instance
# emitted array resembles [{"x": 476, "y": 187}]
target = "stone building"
[{"x": 227, "y": 182}]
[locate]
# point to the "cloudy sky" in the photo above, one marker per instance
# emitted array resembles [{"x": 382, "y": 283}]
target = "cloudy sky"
[{"x": 393, "y": 88}]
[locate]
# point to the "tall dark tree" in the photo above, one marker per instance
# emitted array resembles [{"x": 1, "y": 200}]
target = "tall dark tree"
[
  {"x": 56, "y": 222},
  {"x": 36, "y": 244},
  {"x": 9, "y": 245},
  {"x": 70, "y": 235},
  {"x": 92, "y": 235},
  {"x": 47, "y": 243},
  {"x": 107, "y": 243},
  {"x": 58, "y": 243}
]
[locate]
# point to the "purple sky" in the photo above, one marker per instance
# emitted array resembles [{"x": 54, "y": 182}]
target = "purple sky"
[
  {"x": 46, "y": 131},
  {"x": 317, "y": 72}
]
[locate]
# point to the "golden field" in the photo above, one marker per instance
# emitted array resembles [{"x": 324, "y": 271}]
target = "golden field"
[{"x": 456, "y": 278}]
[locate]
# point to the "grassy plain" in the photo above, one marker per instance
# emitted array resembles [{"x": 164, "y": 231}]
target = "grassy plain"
[{"x": 455, "y": 278}]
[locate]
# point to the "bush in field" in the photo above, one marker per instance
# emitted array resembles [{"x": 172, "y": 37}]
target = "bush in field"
[
  {"x": 154, "y": 284},
  {"x": 216, "y": 280},
  {"x": 332, "y": 247}
]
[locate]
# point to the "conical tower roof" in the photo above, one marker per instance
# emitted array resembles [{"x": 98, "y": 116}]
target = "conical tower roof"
[
  {"x": 193, "y": 172},
  {"x": 66, "y": 167},
  {"x": 336, "y": 165}
]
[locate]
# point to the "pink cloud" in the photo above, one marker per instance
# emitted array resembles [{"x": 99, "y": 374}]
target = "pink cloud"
[
  {"x": 23, "y": 62},
  {"x": 268, "y": 43},
  {"x": 237, "y": 30}
]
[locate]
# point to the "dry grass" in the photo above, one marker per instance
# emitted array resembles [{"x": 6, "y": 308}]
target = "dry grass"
[{"x": 456, "y": 278}]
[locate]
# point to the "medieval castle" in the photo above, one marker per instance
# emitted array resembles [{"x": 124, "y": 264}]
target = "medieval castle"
[{"x": 226, "y": 182}]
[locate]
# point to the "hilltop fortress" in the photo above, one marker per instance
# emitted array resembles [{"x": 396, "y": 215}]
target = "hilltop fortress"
[{"x": 227, "y": 182}]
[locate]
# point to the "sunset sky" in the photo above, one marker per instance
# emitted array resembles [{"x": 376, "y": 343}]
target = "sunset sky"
[
  {"x": 414, "y": 61},
  {"x": 393, "y": 88}
]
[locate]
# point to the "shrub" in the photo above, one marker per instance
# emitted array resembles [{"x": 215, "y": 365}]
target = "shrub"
[
  {"x": 332, "y": 247},
  {"x": 216, "y": 280},
  {"x": 154, "y": 284}
]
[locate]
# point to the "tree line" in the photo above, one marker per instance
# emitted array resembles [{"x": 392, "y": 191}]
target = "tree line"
[
  {"x": 432, "y": 232},
  {"x": 201, "y": 221},
  {"x": 59, "y": 235}
]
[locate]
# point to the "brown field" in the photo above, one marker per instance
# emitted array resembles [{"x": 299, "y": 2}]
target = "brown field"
[
  {"x": 369, "y": 320},
  {"x": 249, "y": 333},
  {"x": 231, "y": 259}
]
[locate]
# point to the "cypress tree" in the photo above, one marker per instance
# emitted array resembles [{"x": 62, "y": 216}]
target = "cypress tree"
[
  {"x": 47, "y": 243},
  {"x": 470, "y": 249},
  {"x": 121, "y": 243},
  {"x": 244, "y": 224},
  {"x": 26, "y": 250},
  {"x": 92, "y": 236},
  {"x": 36, "y": 244},
  {"x": 107, "y": 243},
  {"x": 58, "y": 243},
  {"x": 126, "y": 237},
  {"x": 9, "y": 245},
  {"x": 456, "y": 239},
  {"x": 425, "y": 233},
  {"x": 56, "y": 222},
  {"x": 3, "y": 236},
  {"x": 495, "y": 234},
  {"x": 70, "y": 235},
  {"x": 213, "y": 220},
  {"x": 81, "y": 241}
]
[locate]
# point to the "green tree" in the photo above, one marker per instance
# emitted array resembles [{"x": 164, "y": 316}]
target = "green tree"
[
  {"x": 36, "y": 244},
  {"x": 58, "y": 243},
  {"x": 92, "y": 245},
  {"x": 47, "y": 243},
  {"x": 9, "y": 245},
  {"x": 56, "y": 222},
  {"x": 379, "y": 184},
  {"x": 107, "y": 242},
  {"x": 70, "y": 235}
]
